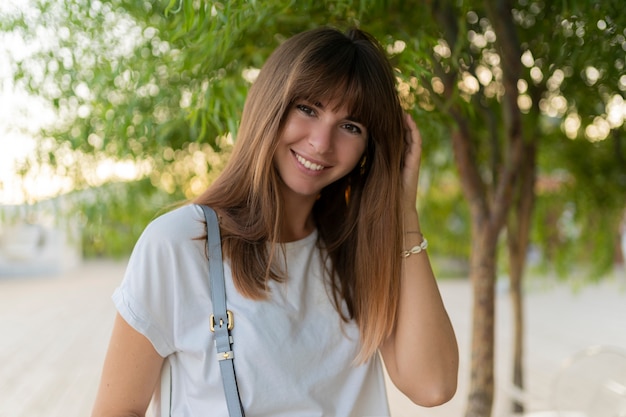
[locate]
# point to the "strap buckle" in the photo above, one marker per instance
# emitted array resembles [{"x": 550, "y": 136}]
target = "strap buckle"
[
  {"x": 229, "y": 317},
  {"x": 225, "y": 356}
]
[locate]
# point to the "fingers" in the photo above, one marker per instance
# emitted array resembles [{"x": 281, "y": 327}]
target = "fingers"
[
  {"x": 413, "y": 133},
  {"x": 409, "y": 122},
  {"x": 412, "y": 159},
  {"x": 413, "y": 139}
]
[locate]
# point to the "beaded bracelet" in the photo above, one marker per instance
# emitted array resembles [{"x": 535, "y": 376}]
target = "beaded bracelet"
[{"x": 415, "y": 249}]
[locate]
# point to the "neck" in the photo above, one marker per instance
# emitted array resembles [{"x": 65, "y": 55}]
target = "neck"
[{"x": 297, "y": 222}]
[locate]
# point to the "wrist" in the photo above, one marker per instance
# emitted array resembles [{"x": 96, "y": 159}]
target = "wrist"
[
  {"x": 418, "y": 248},
  {"x": 411, "y": 221}
]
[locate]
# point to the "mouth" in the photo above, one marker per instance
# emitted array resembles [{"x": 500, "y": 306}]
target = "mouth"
[{"x": 308, "y": 164}]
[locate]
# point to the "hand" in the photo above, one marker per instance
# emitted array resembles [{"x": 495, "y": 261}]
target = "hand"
[{"x": 412, "y": 158}]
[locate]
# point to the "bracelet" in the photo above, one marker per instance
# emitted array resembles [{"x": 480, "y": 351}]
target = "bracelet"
[{"x": 415, "y": 249}]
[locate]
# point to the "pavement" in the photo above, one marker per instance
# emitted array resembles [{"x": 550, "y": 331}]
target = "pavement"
[{"x": 55, "y": 329}]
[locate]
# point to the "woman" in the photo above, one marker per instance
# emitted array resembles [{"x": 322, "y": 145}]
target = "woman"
[{"x": 317, "y": 213}]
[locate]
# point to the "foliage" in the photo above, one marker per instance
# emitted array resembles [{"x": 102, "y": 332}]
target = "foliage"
[
  {"x": 580, "y": 69},
  {"x": 111, "y": 229},
  {"x": 141, "y": 81},
  {"x": 138, "y": 80},
  {"x": 571, "y": 85},
  {"x": 579, "y": 211}
]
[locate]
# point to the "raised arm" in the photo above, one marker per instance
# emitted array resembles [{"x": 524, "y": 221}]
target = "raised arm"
[
  {"x": 421, "y": 355},
  {"x": 131, "y": 370}
]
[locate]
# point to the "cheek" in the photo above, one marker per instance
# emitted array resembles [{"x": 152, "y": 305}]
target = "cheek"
[{"x": 354, "y": 153}]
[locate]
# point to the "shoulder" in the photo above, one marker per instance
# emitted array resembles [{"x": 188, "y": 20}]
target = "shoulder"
[
  {"x": 166, "y": 272},
  {"x": 172, "y": 246},
  {"x": 185, "y": 221},
  {"x": 173, "y": 233}
]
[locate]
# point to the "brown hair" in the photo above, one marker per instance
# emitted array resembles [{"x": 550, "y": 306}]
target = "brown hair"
[{"x": 358, "y": 217}]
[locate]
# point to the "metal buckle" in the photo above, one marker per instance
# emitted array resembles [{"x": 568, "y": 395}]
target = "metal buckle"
[
  {"x": 224, "y": 356},
  {"x": 229, "y": 317}
]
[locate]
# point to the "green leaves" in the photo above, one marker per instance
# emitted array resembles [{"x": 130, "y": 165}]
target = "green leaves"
[{"x": 130, "y": 79}]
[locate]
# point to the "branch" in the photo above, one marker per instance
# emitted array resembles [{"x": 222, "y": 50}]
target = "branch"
[
  {"x": 464, "y": 153},
  {"x": 510, "y": 52},
  {"x": 491, "y": 124}
]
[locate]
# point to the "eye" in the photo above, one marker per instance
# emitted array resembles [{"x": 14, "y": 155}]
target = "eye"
[
  {"x": 306, "y": 109},
  {"x": 352, "y": 128}
]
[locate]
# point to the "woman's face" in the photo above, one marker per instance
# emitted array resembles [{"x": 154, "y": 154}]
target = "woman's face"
[{"x": 320, "y": 144}]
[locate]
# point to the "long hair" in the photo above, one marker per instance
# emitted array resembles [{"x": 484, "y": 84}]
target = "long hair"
[{"x": 358, "y": 217}]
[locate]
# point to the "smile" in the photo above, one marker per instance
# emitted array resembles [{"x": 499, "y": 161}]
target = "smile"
[{"x": 308, "y": 164}]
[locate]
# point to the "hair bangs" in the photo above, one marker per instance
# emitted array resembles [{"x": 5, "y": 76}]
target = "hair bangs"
[{"x": 340, "y": 75}]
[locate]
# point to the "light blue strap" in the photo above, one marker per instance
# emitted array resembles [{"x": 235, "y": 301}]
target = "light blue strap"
[{"x": 221, "y": 317}]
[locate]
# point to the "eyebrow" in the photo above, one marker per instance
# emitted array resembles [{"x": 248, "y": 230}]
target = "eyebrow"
[
  {"x": 348, "y": 117},
  {"x": 355, "y": 120}
]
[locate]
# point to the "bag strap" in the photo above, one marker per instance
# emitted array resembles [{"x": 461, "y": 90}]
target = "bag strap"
[{"x": 221, "y": 319}]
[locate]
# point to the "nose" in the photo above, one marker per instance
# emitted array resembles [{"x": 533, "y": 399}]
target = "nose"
[{"x": 321, "y": 139}]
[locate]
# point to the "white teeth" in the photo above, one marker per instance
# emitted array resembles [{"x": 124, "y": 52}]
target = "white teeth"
[{"x": 308, "y": 164}]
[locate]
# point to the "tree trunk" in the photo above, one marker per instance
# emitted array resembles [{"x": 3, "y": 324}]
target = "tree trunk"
[
  {"x": 483, "y": 277},
  {"x": 518, "y": 340},
  {"x": 487, "y": 223},
  {"x": 489, "y": 201},
  {"x": 518, "y": 231}
]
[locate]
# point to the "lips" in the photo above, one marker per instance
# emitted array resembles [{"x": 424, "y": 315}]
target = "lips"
[{"x": 308, "y": 164}]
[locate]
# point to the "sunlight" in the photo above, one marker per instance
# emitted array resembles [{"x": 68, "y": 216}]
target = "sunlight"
[
  {"x": 555, "y": 80},
  {"x": 527, "y": 59},
  {"x": 396, "y": 48},
  {"x": 25, "y": 174},
  {"x": 442, "y": 49},
  {"x": 592, "y": 75},
  {"x": 250, "y": 74},
  {"x": 571, "y": 125},
  {"x": 13, "y": 148},
  {"x": 20, "y": 150},
  {"x": 524, "y": 102},
  {"x": 484, "y": 74},
  {"x": 118, "y": 170},
  {"x": 598, "y": 130},
  {"x": 616, "y": 111},
  {"x": 469, "y": 84},
  {"x": 18, "y": 145}
]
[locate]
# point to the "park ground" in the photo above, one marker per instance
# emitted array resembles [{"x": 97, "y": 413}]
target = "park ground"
[{"x": 54, "y": 332}]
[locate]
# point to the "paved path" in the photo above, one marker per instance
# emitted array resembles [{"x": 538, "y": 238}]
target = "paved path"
[{"x": 54, "y": 332}]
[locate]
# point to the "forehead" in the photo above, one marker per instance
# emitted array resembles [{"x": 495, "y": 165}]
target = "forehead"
[{"x": 342, "y": 99}]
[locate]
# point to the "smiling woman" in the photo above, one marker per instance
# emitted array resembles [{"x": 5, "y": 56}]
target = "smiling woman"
[{"x": 316, "y": 206}]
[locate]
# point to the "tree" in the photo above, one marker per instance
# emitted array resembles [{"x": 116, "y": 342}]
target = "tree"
[
  {"x": 518, "y": 79},
  {"x": 516, "y": 90},
  {"x": 501, "y": 73}
]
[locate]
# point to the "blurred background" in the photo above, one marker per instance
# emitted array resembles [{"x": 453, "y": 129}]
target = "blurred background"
[{"x": 111, "y": 112}]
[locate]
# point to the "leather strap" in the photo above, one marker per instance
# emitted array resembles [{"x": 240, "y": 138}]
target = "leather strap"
[{"x": 222, "y": 319}]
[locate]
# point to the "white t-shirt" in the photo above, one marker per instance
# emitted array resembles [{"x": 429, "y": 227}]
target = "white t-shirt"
[{"x": 293, "y": 354}]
